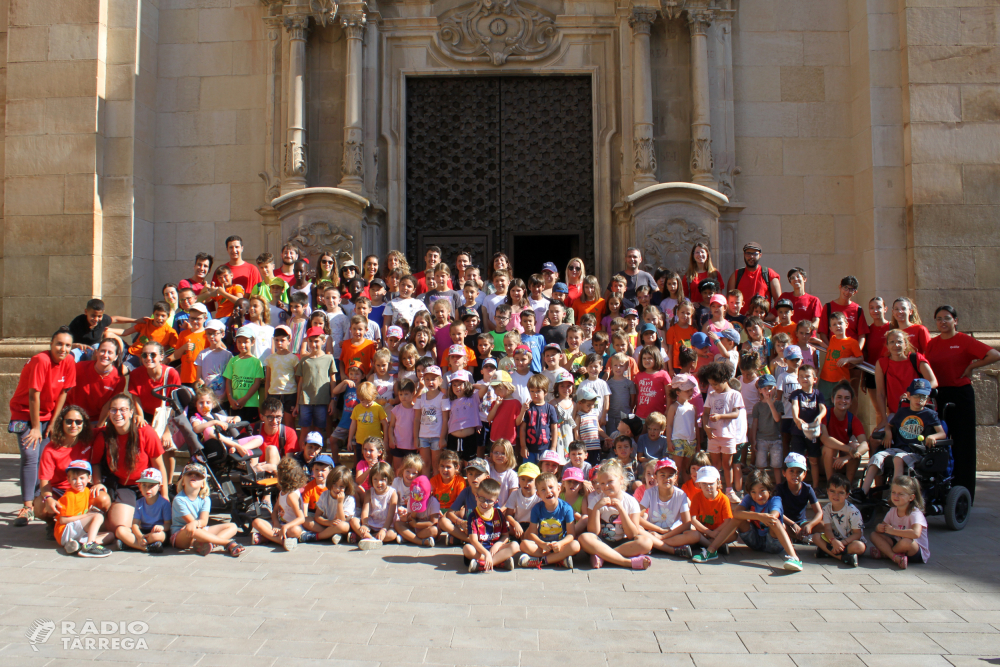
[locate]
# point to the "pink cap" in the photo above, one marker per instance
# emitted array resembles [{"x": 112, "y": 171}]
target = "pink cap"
[
  {"x": 394, "y": 332},
  {"x": 315, "y": 331},
  {"x": 718, "y": 299},
  {"x": 461, "y": 376},
  {"x": 433, "y": 370},
  {"x": 572, "y": 475},
  {"x": 420, "y": 493},
  {"x": 457, "y": 350},
  {"x": 666, "y": 463},
  {"x": 549, "y": 455},
  {"x": 683, "y": 381}
]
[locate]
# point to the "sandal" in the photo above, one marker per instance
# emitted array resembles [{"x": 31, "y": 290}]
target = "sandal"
[
  {"x": 204, "y": 548},
  {"x": 235, "y": 549},
  {"x": 641, "y": 562},
  {"x": 874, "y": 552},
  {"x": 901, "y": 560},
  {"x": 596, "y": 561},
  {"x": 255, "y": 538}
]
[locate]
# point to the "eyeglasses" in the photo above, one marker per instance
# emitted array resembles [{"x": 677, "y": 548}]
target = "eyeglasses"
[
  {"x": 326, "y": 261},
  {"x": 751, "y": 253},
  {"x": 576, "y": 268},
  {"x": 485, "y": 501},
  {"x": 73, "y": 422},
  {"x": 501, "y": 318},
  {"x": 272, "y": 418},
  {"x": 119, "y": 411},
  {"x": 150, "y": 355},
  {"x": 849, "y": 290}
]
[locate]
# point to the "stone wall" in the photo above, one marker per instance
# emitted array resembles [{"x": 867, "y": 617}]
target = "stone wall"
[{"x": 670, "y": 61}]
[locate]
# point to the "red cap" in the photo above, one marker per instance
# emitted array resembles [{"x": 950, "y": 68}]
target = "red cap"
[{"x": 315, "y": 331}]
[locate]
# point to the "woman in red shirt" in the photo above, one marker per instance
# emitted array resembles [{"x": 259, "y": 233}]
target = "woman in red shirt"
[
  {"x": 906, "y": 317},
  {"x": 893, "y": 374},
  {"x": 953, "y": 356},
  {"x": 575, "y": 272},
  {"x": 40, "y": 393},
  {"x": 70, "y": 439},
  {"x": 700, "y": 267},
  {"x": 123, "y": 450},
  {"x": 97, "y": 380},
  {"x": 153, "y": 374}
]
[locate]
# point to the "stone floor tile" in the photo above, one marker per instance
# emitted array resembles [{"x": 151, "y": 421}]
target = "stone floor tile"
[
  {"x": 895, "y": 643},
  {"x": 825, "y": 643},
  {"x": 968, "y": 643},
  {"x": 479, "y": 657},
  {"x": 629, "y": 641},
  {"x": 495, "y": 638},
  {"x": 826, "y": 660},
  {"x": 938, "y": 616},
  {"x": 422, "y": 636},
  {"x": 689, "y": 642},
  {"x": 795, "y": 600},
  {"x": 749, "y": 660},
  {"x": 982, "y": 628},
  {"x": 296, "y": 648},
  {"x": 910, "y": 660},
  {"x": 649, "y": 660},
  {"x": 564, "y": 659},
  {"x": 720, "y": 600}
]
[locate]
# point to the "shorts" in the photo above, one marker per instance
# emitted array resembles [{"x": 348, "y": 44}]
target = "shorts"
[
  {"x": 767, "y": 543},
  {"x": 127, "y": 495},
  {"x": 683, "y": 449},
  {"x": 433, "y": 444},
  {"x": 787, "y": 426},
  {"x": 399, "y": 452},
  {"x": 173, "y": 539},
  {"x": 915, "y": 558},
  {"x": 466, "y": 447},
  {"x": 312, "y": 416},
  {"x": 860, "y": 539},
  {"x": 800, "y": 444},
  {"x": 769, "y": 452},
  {"x": 868, "y": 380},
  {"x": 287, "y": 401},
  {"x": 909, "y": 459},
  {"x": 719, "y": 447},
  {"x": 524, "y": 525},
  {"x": 340, "y": 433},
  {"x": 248, "y": 414},
  {"x": 594, "y": 457},
  {"x": 614, "y": 544},
  {"x": 826, "y": 388},
  {"x": 532, "y": 457},
  {"x": 72, "y": 531},
  {"x": 741, "y": 451}
]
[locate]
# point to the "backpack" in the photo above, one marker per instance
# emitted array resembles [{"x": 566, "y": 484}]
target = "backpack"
[
  {"x": 764, "y": 272},
  {"x": 281, "y": 436}
]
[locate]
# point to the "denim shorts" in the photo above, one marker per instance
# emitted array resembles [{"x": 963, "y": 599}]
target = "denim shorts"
[
  {"x": 312, "y": 416},
  {"x": 757, "y": 542},
  {"x": 433, "y": 444}
]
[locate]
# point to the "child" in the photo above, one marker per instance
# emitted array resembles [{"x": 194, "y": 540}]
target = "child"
[
  {"x": 796, "y": 496},
  {"x": 383, "y": 381},
  {"x": 190, "y": 343},
  {"x": 808, "y": 412},
  {"x": 666, "y": 515},
  {"x": 517, "y": 509},
  {"x": 297, "y": 322},
  {"x": 279, "y": 378},
  {"x": 534, "y": 340},
  {"x": 710, "y": 509},
  {"x": 418, "y": 519},
  {"x": 224, "y": 293},
  {"x": 151, "y": 521},
  {"x": 679, "y": 335},
  {"x": 679, "y": 423},
  {"x": 574, "y": 491},
  {"x": 725, "y": 421},
  {"x": 593, "y": 364},
  {"x": 447, "y": 484},
  {"x": 488, "y": 541},
  {"x": 588, "y": 430},
  {"x": 189, "y": 516},
  {"x": 538, "y": 421},
  {"x": 786, "y": 383},
  {"x": 505, "y": 410},
  {"x": 430, "y": 420},
  {"x": 372, "y": 453},
  {"x": 765, "y": 428},
  {"x": 573, "y": 357},
  {"x": 153, "y": 328},
  {"x": 209, "y": 425},
  {"x": 378, "y": 509},
  {"x": 613, "y": 529},
  {"x": 336, "y": 508},
  {"x": 502, "y": 462},
  {"x": 651, "y": 383},
  {"x": 756, "y": 341},
  {"x": 77, "y": 521},
  {"x": 902, "y": 535},
  {"x": 651, "y": 445},
  {"x": 550, "y": 461},
  {"x": 623, "y": 390},
  {"x": 399, "y": 437},
  {"x": 349, "y": 388},
  {"x": 212, "y": 361},
  {"x": 368, "y": 419},
  {"x": 244, "y": 375},
  {"x": 758, "y": 522},
  {"x": 320, "y": 468},
  {"x": 552, "y": 364},
  {"x": 625, "y": 453},
  {"x": 454, "y": 523},
  {"x": 464, "y": 420},
  {"x": 501, "y": 278},
  {"x": 784, "y": 309},
  {"x": 549, "y": 538},
  {"x": 613, "y": 306},
  {"x": 804, "y": 339},
  {"x": 843, "y": 528},
  {"x": 288, "y": 513},
  {"x": 358, "y": 349},
  {"x": 842, "y": 354},
  {"x": 565, "y": 410}
]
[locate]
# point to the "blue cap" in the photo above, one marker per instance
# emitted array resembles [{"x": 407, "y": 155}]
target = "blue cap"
[
  {"x": 920, "y": 387},
  {"x": 560, "y": 288},
  {"x": 549, "y": 266},
  {"x": 766, "y": 380},
  {"x": 793, "y": 352},
  {"x": 643, "y": 328},
  {"x": 730, "y": 334},
  {"x": 80, "y": 464},
  {"x": 699, "y": 340},
  {"x": 324, "y": 459},
  {"x": 794, "y": 460}
]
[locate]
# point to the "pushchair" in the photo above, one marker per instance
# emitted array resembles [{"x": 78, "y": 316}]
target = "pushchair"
[
  {"x": 235, "y": 488},
  {"x": 933, "y": 468}
]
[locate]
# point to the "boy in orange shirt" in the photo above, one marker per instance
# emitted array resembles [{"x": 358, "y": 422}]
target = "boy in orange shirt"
[
  {"x": 76, "y": 526},
  {"x": 190, "y": 344},
  {"x": 842, "y": 354},
  {"x": 784, "y": 308},
  {"x": 710, "y": 508},
  {"x": 358, "y": 349},
  {"x": 225, "y": 293},
  {"x": 151, "y": 329},
  {"x": 447, "y": 483}
]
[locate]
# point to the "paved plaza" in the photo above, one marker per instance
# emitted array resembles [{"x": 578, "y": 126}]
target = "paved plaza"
[{"x": 405, "y": 605}]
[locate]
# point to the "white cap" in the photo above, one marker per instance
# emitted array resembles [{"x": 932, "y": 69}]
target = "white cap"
[
  {"x": 200, "y": 307},
  {"x": 215, "y": 325},
  {"x": 707, "y": 474},
  {"x": 314, "y": 438}
]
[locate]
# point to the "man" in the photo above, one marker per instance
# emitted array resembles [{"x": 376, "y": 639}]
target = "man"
[
  {"x": 431, "y": 259},
  {"x": 633, "y": 275},
  {"x": 289, "y": 255},
  {"x": 245, "y": 274},
  {"x": 751, "y": 281},
  {"x": 279, "y": 440}
]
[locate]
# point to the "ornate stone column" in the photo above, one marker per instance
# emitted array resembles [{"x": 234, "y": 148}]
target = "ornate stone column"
[
  {"x": 644, "y": 151},
  {"x": 353, "y": 166},
  {"x": 272, "y": 110},
  {"x": 701, "y": 123},
  {"x": 296, "y": 165}
]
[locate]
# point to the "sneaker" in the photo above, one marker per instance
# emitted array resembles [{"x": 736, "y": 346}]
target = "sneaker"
[
  {"x": 155, "y": 547},
  {"x": 369, "y": 543},
  {"x": 204, "y": 548},
  {"x": 806, "y": 539},
  {"x": 567, "y": 563},
  {"x": 473, "y": 565},
  {"x": 510, "y": 563},
  {"x": 289, "y": 543},
  {"x": 733, "y": 498},
  {"x": 93, "y": 551},
  {"x": 307, "y": 536},
  {"x": 118, "y": 545},
  {"x": 50, "y": 532},
  {"x": 850, "y": 560},
  {"x": 24, "y": 515},
  {"x": 683, "y": 552},
  {"x": 874, "y": 552},
  {"x": 336, "y": 538},
  {"x": 352, "y": 538},
  {"x": 524, "y": 560},
  {"x": 448, "y": 540},
  {"x": 822, "y": 554},
  {"x": 71, "y": 547},
  {"x": 705, "y": 556},
  {"x": 429, "y": 542},
  {"x": 793, "y": 564},
  {"x": 399, "y": 539}
]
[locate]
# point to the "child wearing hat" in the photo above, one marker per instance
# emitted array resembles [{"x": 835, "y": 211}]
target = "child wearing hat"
[
  {"x": 244, "y": 377},
  {"x": 77, "y": 525},
  {"x": 518, "y": 507},
  {"x": 710, "y": 508},
  {"x": 666, "y": 513},
  {"x": 765, "y": 427},
  {"x": 796, "y": 497},
  {"x": 151, "y": 521},
  {"x": 549, "y": 538},
  {"x": 315, "y": 374}
]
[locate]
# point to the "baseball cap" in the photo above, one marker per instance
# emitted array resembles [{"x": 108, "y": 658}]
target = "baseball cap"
[
  {"x": 325, "y": 460},
  {"x": 665, "y": 463},
  {"x": 151, "y": 476},
  {"x": 794, "y": 460},
  {"x": 378, "y": 282},
  {"x": 730, "y": 334},
  {"x": 489, "y": 361},
  {"x": 468, "y": 311},
  {"x": 550, "y": 267},
  {"x": 283, "y": 329},
  {"x": 200, "y": 307},
  {"x": 572, "y": 475},
  {"x": 552, "y": 346},
  {"x": 244, "y": 332},
  {"x": 315, "y": 438},
  {"x": 348, "y": 263},
  {"x": 630, "y": 312},
  {"x": 501, "y": 376},
  {"x": 432, "y": 370},
  {"x": 585, "y": 394},
  {"x": 560, "y": 288},
  {"x": 528, "y": 470},
  {"x": 766, "y": 380},
  {"x": 683, "y": 382},
  {"x": 752, "y": 245},
  {"x": 394, "y": 332},
  {"x": 215, "y": 325},
  {"x": 522, "y": 348},
  {"x": 457, "y": 350},
  {"x": 784, "y": 303},
  {"x": 315, "y": 331},
  {"x": 647, "y": 326},
  {"x": 634, "y": 424},
  {"x": 920, "y": 387},
  {"x": 194, "y": 469},
  {"x": 699, "y": 340},
  {"x": 562, "y": 375},
  {"x": 549, "y": 455},
  {"x": 479, "y": 464},
  {"x": 461, "y": 376},
  {"x": 707, "y": 474},
  {"x": 793, "y": 352},
  {"x": 717, "y": 299},
  {"x": 80, "y": 464}
]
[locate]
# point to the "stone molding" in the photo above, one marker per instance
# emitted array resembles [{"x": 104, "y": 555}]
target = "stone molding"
[{"x": 497, "y": 31}]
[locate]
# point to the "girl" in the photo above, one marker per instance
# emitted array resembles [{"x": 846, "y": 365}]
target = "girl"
[
  {"x": 749, "y": 363},
  {"x": 170, "y": 297},
  {"x": 382, "y": 380},
  {"x": 441, "y": 310},
  {"x": 408, "y": 356},
  {"x": 464, "y": 421},
  {"x": 259, "y": 318},
  {"x": 319, "y": 319},
  {"x": 422, "y": 339},
  {"x": 189, "y": 516},
  {"x": 412, "y": 466},
  {"x": 760, "y": 307},
  {"x": 648, "y": 475},
  {"x": 651, "y": 383},
  {"x": 613, "y": 532},
  {"x": 430, "y": 419},
  {"x": 590, "y": 300},
  {"x": 700, "y": 267},
  {"x": 666, "y": 513},
  {"x": 378, "y": 509},
  {"x": 671, "y": 294},
  {"x": 565, "y": 408},
  {"x": 517, "y": 299},
  {"x": 502, "y": 464},
  {"x": 680, "y": 430},
  {"x": 288, "y": 514},
  {"x": 755, "y": 342},
  {"x": 613, "y": 306},
  {"x": 778, "y": 344},
  {"x": 573, "y": 491},
  {"x": 368, "y": 419},
  {"x": 336, "y": 508},
  {"x": 902, "y": 535},
  {"x": 906, "y": 317},
  {"x": 875, "y": 343},
  {"x": 648, "y": 335},
  {"x": 679, "y": 335},
  {"x": 397, "y": 260},
  {"x": 372, "y": 453},
  {"x": 205, "y": 423},
  {"x": 894, "y": 372},
  {"x": 325, "y": 273},
  {"x": 725, "y": 421},
  {"x": 653, "y": 315},
  {"x": 803, "y": 338},
  {"x": 400, "y": 435},
  {"x": 504, "y": 413}
]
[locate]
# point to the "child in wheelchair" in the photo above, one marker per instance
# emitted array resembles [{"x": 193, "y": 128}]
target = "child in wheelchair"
[{"x": 208, "y": 424}]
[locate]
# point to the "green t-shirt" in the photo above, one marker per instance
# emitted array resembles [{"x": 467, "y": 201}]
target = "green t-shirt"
[
  {"x": 315, "y": 373},
  {"x": 242, "y": 373}
]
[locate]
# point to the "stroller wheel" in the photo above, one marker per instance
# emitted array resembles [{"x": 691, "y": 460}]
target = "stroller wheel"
[{"x": 957, "y": 506}]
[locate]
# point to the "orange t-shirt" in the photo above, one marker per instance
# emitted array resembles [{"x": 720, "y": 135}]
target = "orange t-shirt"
[
  {"x": 311, "y": 493},
  {"x": 72, "y": 503},
  {"x": 146, "y": 331},
  {"x": 447, "y": 493},
  {"x": 470, "y": 357},
  {"x": 839, "y": 348},
  {"x": 189, "y": 372},
  {"x": 711, "y": 513},
  {"x": 596, "y": 307},
  {"x": 225, "y": 308},
  {"x": 788, "y": 329},
  {"x": 676, "y": 338},
  {"x": 363, "y": 352}
]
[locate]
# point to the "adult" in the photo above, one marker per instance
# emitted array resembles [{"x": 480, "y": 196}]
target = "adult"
[
  {"x": 41, "y": 393},
  {"x": 953, "y": 356},
  {"x": 199, "y": 281},
  {"x": 279, "y": 439},
  {"x": 463, "y": 260},
  {"x": 500, "y": 262},
  {"x": 804, "y": 306},
  {"x": 245, "y": 274},
  {"x": 700, "y": 267},
  {"x": 575, "y": 273},
  {"x": 857, "y": 324},
  {"x": 369, "y": 270},
  {"x": 894, "y": 372},
  {"x": 171, "y": 298},
  {"x": 70, "y": 439},
  {"x": 906, "y": 317},
  {"x": 289, "y": 255},
  {"x": 550, "y": 276},
  {"x": 634, "y": 276},
  {"x": 97, "y": 380},
  {"x": 122, "y": 450},
  {"x": 840, "y": 454},
  {"x": 396, "y": 260},
  {"x": 432, "y": 257},
  {"x": 752, "y": 281},
  {"x": 151, "y": 375},
  {"x": 326, "y": 271}
]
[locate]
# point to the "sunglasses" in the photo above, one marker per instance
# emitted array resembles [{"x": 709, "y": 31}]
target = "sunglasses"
[
  {"x": 150, "y": 355},
  {"x": 575, "y": 268},
  {"x": 73, "y": 422}
]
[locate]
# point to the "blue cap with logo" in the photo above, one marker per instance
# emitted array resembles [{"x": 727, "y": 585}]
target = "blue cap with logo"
[{"x": 920, "y": 387}]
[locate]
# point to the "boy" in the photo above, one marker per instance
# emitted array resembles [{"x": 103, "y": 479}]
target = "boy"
[
  {"x": 358, "y": 349},
  {"x": 456, "y": 332},
  {"x": 455, "y": 523},
  {"x": 190, "y": 343},
  {"x": 447, "y": 484},
  {"x": 186, "y": 298},
  {"x": 537, "y": 302},
  {"x": 534, "y": 341},
  {"x": 151, "y": 521},
  {"x": 538, "y": 422},
  {"x": 522, "y": 374},
  {"x": 734, "y": 306},
  {"x": 518, "y": 507},
  {"x": 703, "y": 347},
  {"x": 807, "y": 413},
  {"x": 652, "y": 445},
  {"x": 593, "y": 363},
  {"x": 472, "y": 302},
  {"x": 786, "y": 383},
  {"x": 588, "y": 431},
  {"x": 631, "y": 327},
  {"x": 552, "y": 364},
  {"x": 555, "y": 331},
  {"x": 88, "y": 329},
  {"x": 225, "y": 294},
  {"x": 598, "y": 342},
  {"x": 842, "y": 355},
  {"x": 501, "y": 318},
  {"x": 76, "y": 525},
  {"x": 626, "y": 456},
  {"x": 501, "y": 279},
  {"x": 797, "y": 496},
  {"x": 151, "y": 329},
  {"x": 244, "y": 375},
  {"x": 578, "y": 459},
  {"x": 212, "y": 361},
  {"x": 843, "y": 528},
  {"x": 265, "y": 264},
  {"x": 315, "y": 372},
  {"x": 279, "y": 377},
  {"x": 784, "y": 310},
  {"x": 549, "y": 538},
  {"x": 710, "y": 509},
  {"x": 307, "y": 456},
  {"x": 488, "y": 533},
  {"x": 560, "y": 293},
  {"x": 573, "y": 358},
  {"x": 765, "y": 428}
]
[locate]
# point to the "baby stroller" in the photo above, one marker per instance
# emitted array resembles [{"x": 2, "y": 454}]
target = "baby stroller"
[
  {"x": 235, "y": 488},
  {"x": 934, "y": 469}
]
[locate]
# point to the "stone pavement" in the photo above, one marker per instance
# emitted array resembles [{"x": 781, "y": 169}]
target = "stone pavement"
[{"x": 405, "y": 605}]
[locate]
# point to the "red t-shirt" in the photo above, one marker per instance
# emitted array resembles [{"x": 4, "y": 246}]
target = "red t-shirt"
[
  {"x": 52, "y": 465},
  {"x": 691, "y": 287},
  {"x": 857, "y": 325},
  {"x": 875, "y": 344},
  {"x": 50, "y": 381},
  {"x": 838, "y": 428},
  {"x": 422, "y": 283},
  {"x": 752, "y": 284},
  {"x": 142, "y": 386},
  {"x": 898, "y": 376},
  {"x": 150, "y": 448},
  {"x": 503, "y": 422},
  {"x": 93, "y": 390},
  {"x": 245, "y": 275},
  {"x": 651, "y": 393},
  {"x": 950, "y": 357},
  {"x": 919, "y": 337},
  {"x": 291, "y": 441},
  {"x": 805, "y": 307},
  {"x": 187, "y": 284},
  {"x": 574, "y": 293},
  {"x": 287, "y": 277}
]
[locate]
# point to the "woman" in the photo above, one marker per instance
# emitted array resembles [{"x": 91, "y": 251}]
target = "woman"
[
  {"x": 369, "y": 270},
  {"x": 123, "y": 450},
  {"x": 953, "y": 356},
  {"x": 152, "y": 375},
  {"x": 700, "y": 267},
  {"x": 40, "y": 394},
  {"x": 906, "y": 317},
  {"x": 463, "y": 260},
  {"x": 202, "y": 265},
  {"x": 70, "y": 439},
  {"x": 98, "y": 380},
  {"x": 500, "y": 261},
  {"x": 575, "y": 273},
  {"x": 326, "y": 271},
  {"x": 894, "y": 372},
  {"x": 170, "y": 297},
  {"x": 396, "y": 260}
]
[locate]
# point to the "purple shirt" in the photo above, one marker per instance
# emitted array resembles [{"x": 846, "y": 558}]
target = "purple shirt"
[{"x": 464, "y": 413}]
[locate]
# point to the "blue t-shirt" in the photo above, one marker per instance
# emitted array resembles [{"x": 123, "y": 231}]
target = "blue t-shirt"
[
  {"x": 464, "y": 503},
  {"x": 907, "y": 425},
  {"x": 539, "y": 420},
  {"x": 773, "y": 503},
  {"x": 148, "y": 515},
  {"x": 184, "y": 506},
  {"x": 535, "y": 343},
  {"x": 794, "y": 506},
  {"x": 808, "y": 405},
  {"x": 651, "y": 449},
  {"x": 350, "y": 400},
  {"x": 552, "y": 526}
]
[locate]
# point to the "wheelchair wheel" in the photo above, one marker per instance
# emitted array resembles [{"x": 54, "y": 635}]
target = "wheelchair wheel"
[{"x": 957, "y": 506}]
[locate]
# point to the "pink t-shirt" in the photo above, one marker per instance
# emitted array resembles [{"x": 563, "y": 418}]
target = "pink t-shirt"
[
  {"x": 464, "y": 413},
  {"x": 402, "y": 432},
  {"x": 727, "y": 431},
  {"x": 361, "y": 469},
  {"x": 651, "y": 393},
  {"x": 914, "y": 518}
]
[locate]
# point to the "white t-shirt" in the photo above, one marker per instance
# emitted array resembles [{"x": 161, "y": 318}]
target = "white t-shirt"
[
  {"x": 914, "y": 518},
  {"x": 845, "y": 521},
  {"x": 750, "y": 394},
  {"x": 431, "y": 413},
  {"x": 211, "y": 364},
  {"x": 541, "y": 307},
  {"x": 491, "y": 302},
  {"x": 262, "y": 335},
  {"x": 521, "y": 505},
  {"x": 282, "y": 373},
  {"x": 508, "y": 483},
  {"x": 402, "y": 493},
  {"x": 727, "y": 431},
  {"x": 520, "y": 383},
  {"x": 611, "y": 524},
  {"x": 664, "y": 513},
  {"x": 599, "y": 387},
  {"x": 684, "y": 422},
  {"x": 403, "y": 309},
  {"x": 327, "y": 505},
  {"x": 786, "y": 383}
]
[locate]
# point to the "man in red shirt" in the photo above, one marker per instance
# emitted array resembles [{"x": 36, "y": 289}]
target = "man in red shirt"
[
  {"x": 431, "y": 259},
  {"x": 289, "y": 255},
  {"x": 245, "y": 274},
  {"x": 273, "y": 432},
  {"x": 751, "y": 281}
]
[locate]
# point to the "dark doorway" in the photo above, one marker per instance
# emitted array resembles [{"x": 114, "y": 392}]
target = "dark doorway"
[{"x": 500, "y": 164}]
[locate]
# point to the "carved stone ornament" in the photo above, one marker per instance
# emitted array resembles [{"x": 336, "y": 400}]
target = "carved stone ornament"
[
  {"x": 354, "y": 155},
  {"x": 701, "y": 156},
  {"x": 295, "y": 159},
  {"x": 668, "y": 244},
  {"x": 496, "y": 31},
  {"x": 645, "y": 151},
  {"x": 317, "y": 237}
]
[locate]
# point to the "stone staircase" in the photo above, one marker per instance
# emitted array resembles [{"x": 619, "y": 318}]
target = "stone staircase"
[{"x": 14, "y": 354}]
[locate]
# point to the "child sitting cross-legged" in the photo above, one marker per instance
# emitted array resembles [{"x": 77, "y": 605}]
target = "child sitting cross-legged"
[
  {"x": 378, "y": 510},
  {"x": 902, "y": 535},
  {"x": 797, "y": 496},
  {"x": 189, "y": 516},
  {"x": 843, "y": 528},
  {"x": 337, "y": 507},
  {"x": 151, "y": 521},
  {"x": 666, "y": 514},
  {"x": 613, "y": 531},
  {"x": 77, "y": 525},
  {"x": 488, "y": 534},
  {"x": 418, "y": 520},
  {"x": 454, "y": 523},
  {"x": 549, "y": 538},
  {"x": 519, "y": 503},
  {"x": 288, "y": 514},
  {"x": 710, "y": 509}
]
